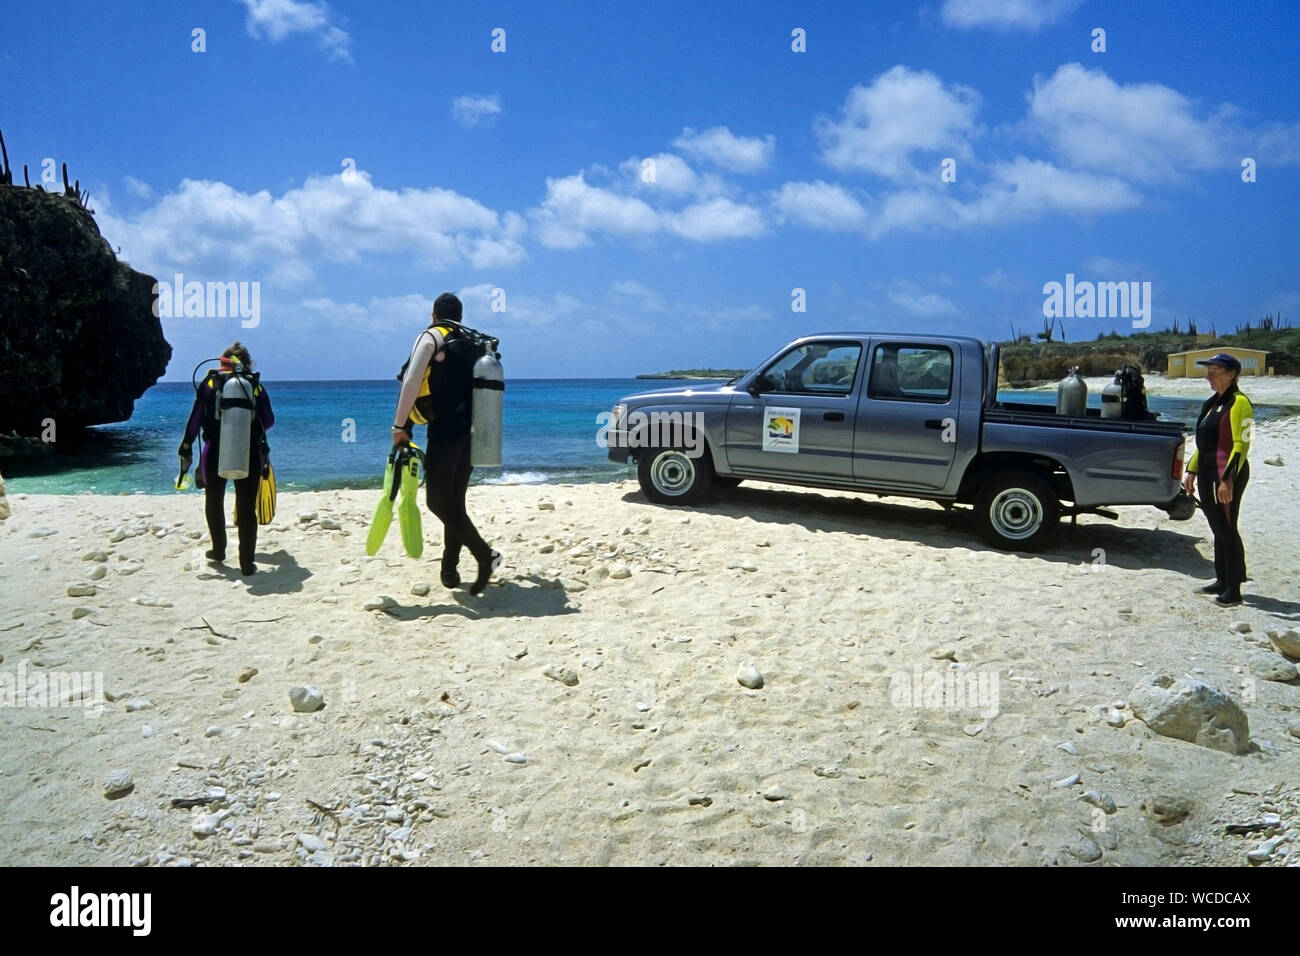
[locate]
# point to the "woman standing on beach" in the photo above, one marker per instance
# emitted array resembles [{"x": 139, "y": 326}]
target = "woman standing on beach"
[
  {"x": 204, "y": 415},
  {"x": 1223, "y": 434}
]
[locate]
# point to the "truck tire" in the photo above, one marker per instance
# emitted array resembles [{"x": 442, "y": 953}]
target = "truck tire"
[
  {"x": 669, "y": 476},
  {"x": 1016, "y": 512}
]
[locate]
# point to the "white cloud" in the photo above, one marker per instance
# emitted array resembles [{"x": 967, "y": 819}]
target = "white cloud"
[
  {"x": 901, "y": 113},
  {"x": 1006, "y": 14},
  {"x": 741, "y": 154},
  {"x": 717, "y": 219},
  {"x": 521, "y": 308},
  {"x": 1016, "y": 191},
  {"x": 1144, "y": 131},
  {"x": 672, "y": 177},
  {"x": 473, "y": 110},
  {"x": 573, "y": 209},
  {"x": 278, "y": 19},
  {"x": 138, "y": 187},
  {"x": 917, "y": 302},
  {"x": 1279, "y": 145},
  {"x": 215, "y": 228},
  {"x": 1028, "y": 188},
  {"x": 819, "y": 205}
]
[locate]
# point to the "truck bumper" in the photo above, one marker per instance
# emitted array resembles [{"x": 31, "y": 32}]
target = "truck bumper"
[{"x": 617, "y": 448}]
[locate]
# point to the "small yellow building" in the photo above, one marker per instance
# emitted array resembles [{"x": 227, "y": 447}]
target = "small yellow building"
[{"x": 1183, "y": 364}]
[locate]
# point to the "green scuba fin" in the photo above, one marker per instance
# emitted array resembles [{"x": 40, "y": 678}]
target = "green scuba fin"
[
  {"x": 408, "y": 509},
  {"x": 383, "y": 513}
]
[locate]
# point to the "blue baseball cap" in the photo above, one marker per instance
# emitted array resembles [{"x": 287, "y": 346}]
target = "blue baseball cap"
[{"x": 1224, "y": 359}]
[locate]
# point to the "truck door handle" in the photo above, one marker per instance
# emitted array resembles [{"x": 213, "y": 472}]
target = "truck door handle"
[
  {"x": 833, "y": 416},
  {"x": 934, "y": 423}
]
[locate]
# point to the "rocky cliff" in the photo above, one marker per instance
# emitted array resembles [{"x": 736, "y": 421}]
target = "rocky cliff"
[{"x": 79, "y": 341}]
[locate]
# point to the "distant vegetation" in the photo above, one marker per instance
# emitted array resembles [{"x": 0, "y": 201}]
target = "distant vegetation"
[
  {"x": 1025, "y": 361},
  {"x": 720, "y": 373}
]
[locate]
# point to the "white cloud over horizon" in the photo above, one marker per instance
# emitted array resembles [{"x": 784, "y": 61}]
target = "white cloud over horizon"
[{"x": 227, "y": 233}]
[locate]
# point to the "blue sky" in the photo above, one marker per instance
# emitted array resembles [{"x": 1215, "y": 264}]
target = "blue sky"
[{"x": 774, "y": 170}]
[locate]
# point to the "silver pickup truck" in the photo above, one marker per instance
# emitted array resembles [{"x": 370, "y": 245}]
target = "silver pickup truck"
[{"x": 899, "y": 414}]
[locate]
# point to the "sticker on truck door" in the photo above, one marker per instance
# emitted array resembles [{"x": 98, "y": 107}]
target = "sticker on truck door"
[{"x": 781, "y": 429}]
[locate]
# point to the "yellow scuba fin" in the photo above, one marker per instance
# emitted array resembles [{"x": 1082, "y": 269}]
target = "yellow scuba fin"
[
  {"x": 266, "y": 496},
  {"x": 383, "y": 513},
  {"x": 264, "y": 505},
  {"x": 408, "y": 509}
]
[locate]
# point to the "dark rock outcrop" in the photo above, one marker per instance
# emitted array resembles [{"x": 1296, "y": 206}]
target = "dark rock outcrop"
[{"x": 79, "y": 341}]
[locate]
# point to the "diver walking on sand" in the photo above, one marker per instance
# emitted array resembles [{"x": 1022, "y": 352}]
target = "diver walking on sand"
[
  {"x": 438, "y": 384},
  {"x": 1218, "y": 467},
  {"x": 233, "y": 410}
]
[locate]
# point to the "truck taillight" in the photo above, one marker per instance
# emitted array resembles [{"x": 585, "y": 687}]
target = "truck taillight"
[{"x": 1178, "y": 462}]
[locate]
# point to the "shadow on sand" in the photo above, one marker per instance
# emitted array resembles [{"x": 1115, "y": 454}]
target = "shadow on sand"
[
  {"x": 920, "y": 523},
  {"x": 546, "y": 598},
  {"x": 277, "y": 573}
]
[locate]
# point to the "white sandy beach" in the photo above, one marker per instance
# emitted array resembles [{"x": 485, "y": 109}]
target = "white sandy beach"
[{"x": 443, "y": 739}]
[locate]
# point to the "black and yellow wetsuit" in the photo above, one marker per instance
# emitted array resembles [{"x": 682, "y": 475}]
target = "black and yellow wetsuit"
[{"x": 1222, "y": 443}]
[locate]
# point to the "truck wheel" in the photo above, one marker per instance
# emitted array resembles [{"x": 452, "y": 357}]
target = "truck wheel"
[
  {"x": 1016, "y": 512},
  {"x": 669, "y": 476}
]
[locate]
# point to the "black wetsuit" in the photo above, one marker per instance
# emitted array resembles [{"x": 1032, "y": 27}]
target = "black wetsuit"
[
  {"x": 446, "y": 465},
  {"x": 203, "y": 417},
  {"x": 1222, "y": 441}
]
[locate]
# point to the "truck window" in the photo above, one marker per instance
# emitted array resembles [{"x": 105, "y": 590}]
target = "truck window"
[
  {"x": 818, "y": 368},
  {"x": 911, "y": 373}
]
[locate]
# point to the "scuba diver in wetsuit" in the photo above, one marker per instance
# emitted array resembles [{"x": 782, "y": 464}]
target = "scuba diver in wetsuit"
[
  {"x": 447, "y": 458},
  {"x": 204, "y": 415},
  {"x": 1219, "y": 469}
]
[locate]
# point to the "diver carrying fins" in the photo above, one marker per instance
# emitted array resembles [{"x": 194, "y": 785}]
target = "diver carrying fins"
[{"x": 401, "y": 482}]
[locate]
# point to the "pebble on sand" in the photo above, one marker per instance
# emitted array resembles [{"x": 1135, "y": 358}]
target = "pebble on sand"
[
  {"x": 306, "y": 699},
  {"x": 1288, "y": 641},
  {"x": 81, "y": 611},
  {"x": 749, "y": 676},
  {"x": 562, "y": 674},
  {"x": 311, "y": 843},
  {"x": 81, "y": 590},
  {"x": 1272, "y": 667},
  {"x": 118, "y": 784}
]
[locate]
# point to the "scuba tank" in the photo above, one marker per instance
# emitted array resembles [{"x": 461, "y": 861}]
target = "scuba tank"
[
  {"x": 1113, "y": 399},
  {"x": 1072, "y": 395},
  {"x": 235, "y": 413},
  {"x": 486, "y": 411}
]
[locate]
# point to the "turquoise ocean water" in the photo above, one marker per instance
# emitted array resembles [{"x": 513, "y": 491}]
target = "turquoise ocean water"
[{"x": 550, "y": 437}]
